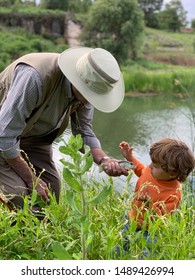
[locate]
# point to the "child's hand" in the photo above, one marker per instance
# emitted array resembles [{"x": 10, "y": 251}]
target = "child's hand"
[{"x": 126, "y": 150}]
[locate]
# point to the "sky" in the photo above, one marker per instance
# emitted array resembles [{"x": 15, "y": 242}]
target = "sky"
[{"x": 189, "y": 7}]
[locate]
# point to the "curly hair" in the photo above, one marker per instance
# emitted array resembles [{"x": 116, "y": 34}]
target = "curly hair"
[{"x": 174, "y": 156}]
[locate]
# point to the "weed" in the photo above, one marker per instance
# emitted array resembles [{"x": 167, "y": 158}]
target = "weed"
[{"x": 87, "y": 222}]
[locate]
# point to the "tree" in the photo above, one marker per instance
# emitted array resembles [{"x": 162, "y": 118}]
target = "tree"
[
  {"x": 77, "y": 6},
  {"x": 7, "y": 3},
  {"x": 116, "y": 26},
  {"x": 193, "y": 23},
  {"x": 55, "y": 4},
  {"x": 173, "y": 17},
  {"x": 150, "y": 7}
]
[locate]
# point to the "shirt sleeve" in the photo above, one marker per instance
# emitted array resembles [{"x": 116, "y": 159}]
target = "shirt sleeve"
[
  {"x": 23, "y": 96},
  {"x": 139, "y": 167},
  {"x": 81, "y": 123}
]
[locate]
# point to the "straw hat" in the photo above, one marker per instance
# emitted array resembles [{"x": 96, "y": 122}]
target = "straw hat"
[{"x": 95, "y": 74}]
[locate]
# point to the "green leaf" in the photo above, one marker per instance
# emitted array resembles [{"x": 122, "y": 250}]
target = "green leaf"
[
  {"x": 65, "y": 150},
  {"x": 72, "y": 151},
  {"x": 76, "y": 142},
  {"x": 71, "y": 181},
  {"x": 101, "y": 196},
  {"x": 129, "y": 177},
  {"x": 87, "y": 165},
  {"x": 59, "y": 251},
  {"x": 84, "y": 224},
  {"x": 68, "y": 164},
  {"x": 71, "y": 202},
  {"x": 89, "y": 240}
]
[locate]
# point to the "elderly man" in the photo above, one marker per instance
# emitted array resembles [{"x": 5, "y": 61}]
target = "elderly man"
[{"x": 39, "y": 93}]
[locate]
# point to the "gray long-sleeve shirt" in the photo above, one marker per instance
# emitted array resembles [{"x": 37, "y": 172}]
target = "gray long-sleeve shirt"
[{"x": 25, "y": 94}]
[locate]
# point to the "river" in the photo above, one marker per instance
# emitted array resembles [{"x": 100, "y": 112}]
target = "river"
[{"x": 141, "y": 121}]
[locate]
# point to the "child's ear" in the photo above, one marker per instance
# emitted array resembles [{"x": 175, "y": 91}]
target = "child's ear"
[{"x": 172, "y": 176}]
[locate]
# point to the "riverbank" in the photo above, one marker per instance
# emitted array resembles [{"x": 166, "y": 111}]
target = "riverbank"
[
  {"x": 169, "y": 80},
  {"x": 165, "y": 67}
]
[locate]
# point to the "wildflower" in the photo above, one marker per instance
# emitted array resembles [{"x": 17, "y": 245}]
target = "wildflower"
[{"x": 177, "y": 82}]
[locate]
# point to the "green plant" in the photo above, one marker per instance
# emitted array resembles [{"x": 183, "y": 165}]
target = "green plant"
[
  {"x": 74, "y": 175},
  {"x": 87, "y": 222}
]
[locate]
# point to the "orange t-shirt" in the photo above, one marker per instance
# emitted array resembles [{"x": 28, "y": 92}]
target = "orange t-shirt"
[{"x": 165, "y": 196}]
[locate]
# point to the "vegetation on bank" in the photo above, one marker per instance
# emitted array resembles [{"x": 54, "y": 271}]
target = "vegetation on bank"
[
  {"x": 151, "y": 59},
  {"x": 166, "y": 57},
  {"x": 139, "y": 79},
  {"x": 16, "y": 42}
]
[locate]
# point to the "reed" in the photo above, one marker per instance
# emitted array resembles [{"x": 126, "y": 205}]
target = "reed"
[{"x": 158, "y": 81}]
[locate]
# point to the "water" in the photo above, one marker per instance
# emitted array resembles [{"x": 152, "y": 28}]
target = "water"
[{"x": 141, "y": 121}]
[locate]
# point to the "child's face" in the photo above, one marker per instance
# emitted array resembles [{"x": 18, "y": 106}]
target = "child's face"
[{"x": 158, "y": 173}]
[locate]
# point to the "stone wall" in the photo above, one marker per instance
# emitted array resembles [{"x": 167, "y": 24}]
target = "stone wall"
[{"x": 56, "y": 25}]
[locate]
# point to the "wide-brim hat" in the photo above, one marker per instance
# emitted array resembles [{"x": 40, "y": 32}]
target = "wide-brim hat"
[{"x": 95, "y": 73}]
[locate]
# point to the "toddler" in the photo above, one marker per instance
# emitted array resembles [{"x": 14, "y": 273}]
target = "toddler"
[{"x": 158, "y": 187}]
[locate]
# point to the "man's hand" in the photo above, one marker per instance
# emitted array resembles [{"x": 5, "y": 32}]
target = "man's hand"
[
  {"x": 20, "y": 166},
  {"x": 113, "y": 168},
  {"x": 40, "y": 186}
]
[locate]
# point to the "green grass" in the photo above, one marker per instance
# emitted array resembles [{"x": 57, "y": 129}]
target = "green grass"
[
  {"x": 16, "y": 42},
  {"x": 29, "y": 10},
  {"x": 58, "y": 236},
  {"x": 159, "y": 81},
  {"x": 88, "y": 221},
  {"x": 159, "y": 41},
  {"x": 166, "y": 57}
]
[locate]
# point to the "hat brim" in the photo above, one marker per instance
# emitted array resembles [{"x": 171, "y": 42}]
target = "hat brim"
[{"x": 108, "y": 102}]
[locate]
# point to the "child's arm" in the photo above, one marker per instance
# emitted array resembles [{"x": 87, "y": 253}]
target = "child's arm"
[{"x": 126, "y": 150}]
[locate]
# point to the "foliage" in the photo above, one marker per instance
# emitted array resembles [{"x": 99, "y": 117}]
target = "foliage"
[
  {"x": 6, "y": 3},
  {"x": 26, "y": 9},
  {"x": 18, "y": 42},
  {"x": 193, "y": 24},
  {"x": 77, "y": 228},
  {"x": 55, "y": 4},
  {"x": 173, "y": 17},
  {"x": 77, "y": 6},
  {"x": 17, "y": 3},
  {"x": 157, "y": 80},
  {"x": 150, "y": 8},
  {"x": 88, "y": 223},
  {"x": 74, "y": 175},
  {"x": 116, "y": 26}
]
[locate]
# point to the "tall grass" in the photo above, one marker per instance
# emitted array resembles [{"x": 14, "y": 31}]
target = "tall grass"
[
  {"x": 68, "y": 232},
  {"x": 142, "y": 80}
]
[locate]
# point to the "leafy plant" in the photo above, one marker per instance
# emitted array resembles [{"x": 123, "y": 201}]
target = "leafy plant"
[
  {"x": 74, "y": 175},
  {"x": 89, "y": 220}
]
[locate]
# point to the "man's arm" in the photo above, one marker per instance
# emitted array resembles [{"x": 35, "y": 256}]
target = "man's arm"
[
  {"x": 24, "y": 95},
  {"x": 81, "y": 123}
]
